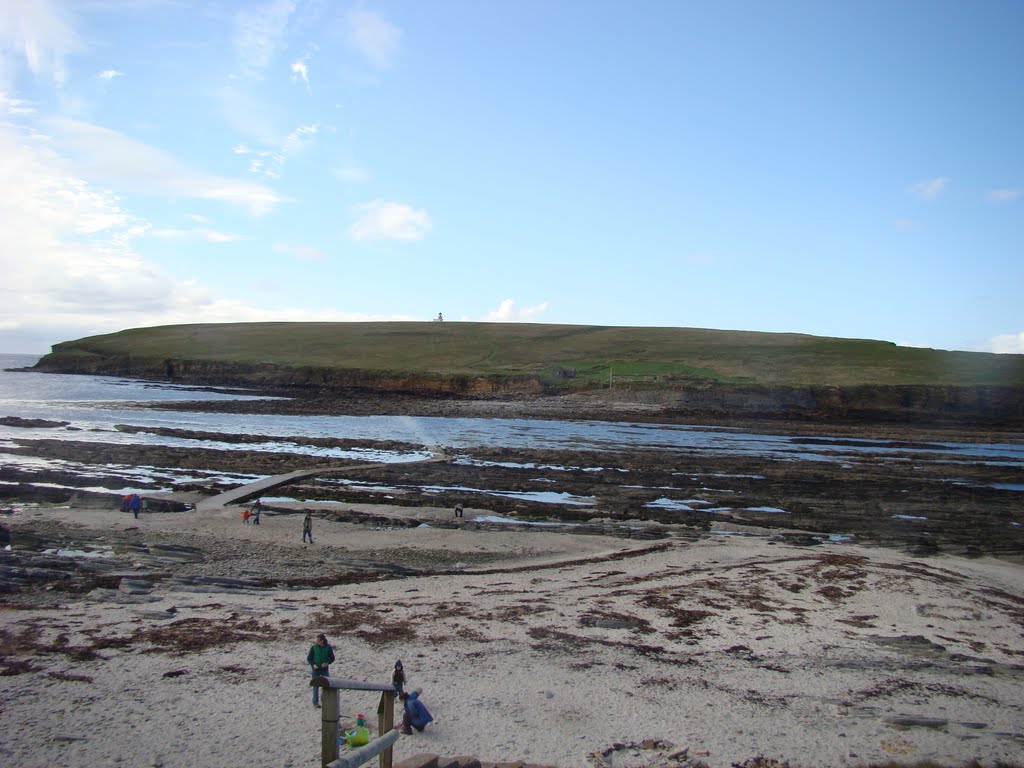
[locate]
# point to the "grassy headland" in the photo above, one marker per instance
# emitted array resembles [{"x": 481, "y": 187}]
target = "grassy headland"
[{"x": 558, "y": 357}]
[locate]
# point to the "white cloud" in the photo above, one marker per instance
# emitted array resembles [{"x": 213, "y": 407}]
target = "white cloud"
[
  {"x": 299, "y": 68},
  {"x": 374, "y": 37},
  {"x": 260, "y": 35},
  {"x": 200, "y": 233},
  {"x": 300, "y": 252},
  {"x": 66, "y": 252},
  {"x": 381, "y": 220},
  {"x": 1005, "y": 195},
  {"x": 109, "y": 74},
  {"x": 296, "y": 141},
  {"x": 133, "y": 5},
  {"x": 39, "y": 36},
  {"x": 12, "y": 106},
  {"x": 508, "y": 312},
  {"x": 70, "y": 267},
  {"x": 1009, "y": 343},
  {"x": 270, "y": 163},
  {"x": 102, "y": 154},
  {"x": 929, "y": 189},
  {"x": 260, "y": 32}
]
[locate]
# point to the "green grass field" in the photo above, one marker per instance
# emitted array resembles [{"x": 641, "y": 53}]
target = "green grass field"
[{"x": 642, "y": 356}]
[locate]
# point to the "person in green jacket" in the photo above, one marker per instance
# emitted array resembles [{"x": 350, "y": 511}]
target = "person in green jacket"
[{"x": 320, "y": 657}]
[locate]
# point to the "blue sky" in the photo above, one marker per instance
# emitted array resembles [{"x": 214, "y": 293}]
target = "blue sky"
[{"x": 851, "y": 169}]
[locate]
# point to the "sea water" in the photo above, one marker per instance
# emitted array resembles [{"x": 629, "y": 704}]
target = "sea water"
[{"x": 93, "y": 406}]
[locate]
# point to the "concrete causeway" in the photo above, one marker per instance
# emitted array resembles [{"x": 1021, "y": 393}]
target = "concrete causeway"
[{"x": 255, "y": 489}]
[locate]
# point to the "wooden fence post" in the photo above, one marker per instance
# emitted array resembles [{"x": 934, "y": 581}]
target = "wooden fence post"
[
  {"x": 386, "y": 723},
  {"x": 329, "y": 725}
]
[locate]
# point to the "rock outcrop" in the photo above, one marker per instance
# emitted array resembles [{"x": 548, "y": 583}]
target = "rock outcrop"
[
  {"x": 989, "y": 406},
  {"x": 217, "y": 373}
]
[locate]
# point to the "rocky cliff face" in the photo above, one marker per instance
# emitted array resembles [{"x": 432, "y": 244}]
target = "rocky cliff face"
[
  {"x": 214, "y": 373},
  {"x": 993, "y": 406}
]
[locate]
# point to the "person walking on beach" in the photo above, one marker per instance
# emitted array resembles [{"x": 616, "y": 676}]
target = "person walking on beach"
[
  {"x": 135, "y": 504},
  {"x": 307, "y": 527},
  {"x": 256, "y": 515},
  {"x": 398, "y": 678},
  {"x": 415, "y": 714},
  {"x": 246, "y": 514},
  {"x": 458, "y": 509},
  {"x": 320, "y": 657}
]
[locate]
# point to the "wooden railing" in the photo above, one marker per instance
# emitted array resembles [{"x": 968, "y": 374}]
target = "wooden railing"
[
  {"x": 357, "y": 757},
  {"x": 331, "y": 714}
]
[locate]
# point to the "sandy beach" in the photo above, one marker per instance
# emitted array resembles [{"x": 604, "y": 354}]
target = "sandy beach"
[{"x": 550, "y": 648}]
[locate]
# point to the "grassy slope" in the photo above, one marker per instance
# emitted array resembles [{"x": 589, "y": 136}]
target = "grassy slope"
[{"x": 505, "y": 349}]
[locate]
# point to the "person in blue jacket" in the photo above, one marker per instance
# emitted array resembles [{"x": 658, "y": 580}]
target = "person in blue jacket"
[
  {"x": 415, "y": 714},
  {"x": 320, "y": 657}
]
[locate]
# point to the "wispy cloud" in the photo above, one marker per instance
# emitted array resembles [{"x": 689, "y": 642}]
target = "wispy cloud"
[
  {"x": 109, "y": 74},
  {"x": 39, "y": 35},
  {"x": 1005, "y": 195},
  {"x": 508, "y": 312},
  {"x": 300, "y": 67},
  {"x": 295, "y": 141},
  {"x": 99, "y": 153},
  {"x": 271, "y": 162},
  {"x": 1009, "y": 343},
  {"x": 929, "y": 189},
  {"x": 300, "y": 70},
  {"x": 15, "y": 107},
  {"x": 259, "y": 33},
  {"x": 200, "y": 233},
  {"x": 134, "y": 5},
  {"x": 382, "y": 220},
  {"x": 259, "y": 161},
  {"x": 373, "y": 36}
]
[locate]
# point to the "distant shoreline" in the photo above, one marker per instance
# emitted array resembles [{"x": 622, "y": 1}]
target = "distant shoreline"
[{"x": 667, "y": 373}]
